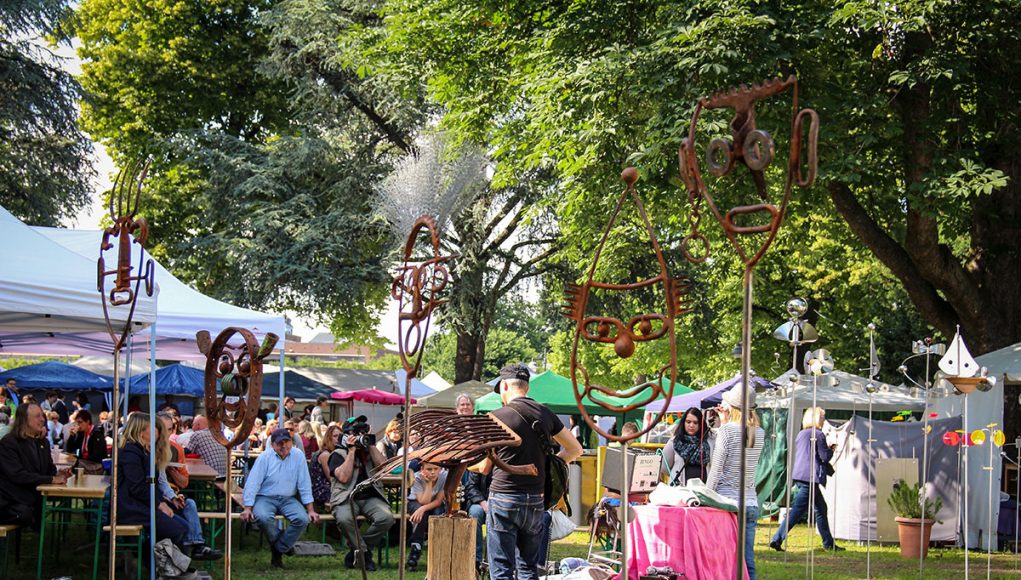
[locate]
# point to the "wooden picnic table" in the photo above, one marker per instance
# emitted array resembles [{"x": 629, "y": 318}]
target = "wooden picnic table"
[
  {"x": 198, "y": 470},
  {"x": 91, "y": 490}
]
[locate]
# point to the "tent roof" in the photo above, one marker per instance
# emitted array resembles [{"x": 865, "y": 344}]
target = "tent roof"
[
  {"x": 1006, "y": 361},
  {"x": 103, "y": 365},
  {"x": 706, "y": 397},
  {"x": 557, "y": 393},
  {"x": 57, "y": 375},
  {"x": 434, "y": 381},
  {"x": 349, "y": 379},
  {"x": 182, "y": 312},
  {"x": 447, "y": 398},
  {"x": 374, "y": 396},
  {"x": 46, "y": 288},
  {"x": 296, "y": 385},
  {"x": 174, "y": 379},
  {"x": 418, "y": 388},
  {"x": 843, "y": 391}
]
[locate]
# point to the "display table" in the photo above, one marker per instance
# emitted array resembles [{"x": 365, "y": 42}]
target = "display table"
[
  {"x": 84, "y": 496},
  {"x": 701, "y": 542}
]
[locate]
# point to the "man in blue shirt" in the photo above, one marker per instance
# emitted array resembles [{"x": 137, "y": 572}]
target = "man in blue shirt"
[{"x": 276, "y": 478}]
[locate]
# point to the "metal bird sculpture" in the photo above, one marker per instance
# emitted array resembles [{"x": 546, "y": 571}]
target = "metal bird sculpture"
[{"x": 456, "y": 442}]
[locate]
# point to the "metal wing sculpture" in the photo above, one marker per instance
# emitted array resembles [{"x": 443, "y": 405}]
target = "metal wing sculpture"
[{"x": 457, "y": 441}]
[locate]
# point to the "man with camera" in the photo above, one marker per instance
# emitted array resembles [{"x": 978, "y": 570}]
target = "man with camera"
[{"x": 351, "y": 463}]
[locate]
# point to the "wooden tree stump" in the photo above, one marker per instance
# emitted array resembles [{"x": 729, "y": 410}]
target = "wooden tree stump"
[{"x": 451, "y": 548}]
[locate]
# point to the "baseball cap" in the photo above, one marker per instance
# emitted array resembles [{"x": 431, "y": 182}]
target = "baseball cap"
[
  {"x": 280, "y": 435},
  {"x": 514, "y": 371}
]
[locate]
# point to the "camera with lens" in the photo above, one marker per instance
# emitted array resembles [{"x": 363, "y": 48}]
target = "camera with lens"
[{"x": 359, "y": 427}]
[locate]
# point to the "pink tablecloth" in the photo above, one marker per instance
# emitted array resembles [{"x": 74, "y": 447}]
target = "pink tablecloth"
[{"x": 701, "y": 542}]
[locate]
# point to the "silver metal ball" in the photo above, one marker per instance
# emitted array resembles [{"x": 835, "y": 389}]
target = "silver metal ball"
[
  {"x": 797, "y": 307},
  {"x": 872, "y": 326},
  {"x": 870, "y": 387}
]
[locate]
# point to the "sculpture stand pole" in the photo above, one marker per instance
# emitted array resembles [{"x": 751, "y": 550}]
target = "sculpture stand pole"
[
  {"x": 872, "y": 499},
  {"x": 1017, "y": 498},
  {"x": 989, "y": 515},
  {"x": 964, "y": 495},
  {"x": 228, "y": 485},
  {"x": 795, "y": 342},
  {"x": 813, "y": 483},
  {"x": 625, "y": 506},
  {"x": 925, "y": 463},
  {"x": 402, "y": 552},
  {"x": 746, "y": 366},
  {"x": 114, "y": 460}
]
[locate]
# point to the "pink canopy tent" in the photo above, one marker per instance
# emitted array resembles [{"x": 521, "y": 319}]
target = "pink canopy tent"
[{"x": 372, "y": 395}]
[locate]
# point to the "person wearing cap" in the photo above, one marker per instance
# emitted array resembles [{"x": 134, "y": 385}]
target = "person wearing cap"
[
  {"x": 514, "y": 521},
  {"x": 350, "y": 464},
  {"x": 271, "y": 488},
  {"x": 725, "y": 466},
  {"x": 805, "y": 483}
]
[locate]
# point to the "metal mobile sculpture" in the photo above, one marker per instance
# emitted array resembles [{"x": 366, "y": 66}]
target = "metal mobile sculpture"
[
  {"x": 416, "y": 288},
  {"x": 233, "y": 392},
  {"x": 753, "y": 148},
  {"x": 127, "y": 229}
]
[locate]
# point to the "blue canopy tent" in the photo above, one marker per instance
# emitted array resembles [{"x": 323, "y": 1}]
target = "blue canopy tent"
[
  {"x": 419, "y": 390},
  {"x": 57, "y": 376},
  {"x": 175, "y": 379}
]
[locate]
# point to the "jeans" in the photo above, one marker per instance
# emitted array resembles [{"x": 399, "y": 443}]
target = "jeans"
[
  {"x": 190, "y": 515},
  {"x": 476, "y": 512},
  {"x": 420, "y": 531},
  {"x": 265, "y": 510},
  {"x": 751, "y": 519},
  {"x": 799, "y": 513},
  {"x": 544, "y": 535},
  {"x": 514, "y": 523}
]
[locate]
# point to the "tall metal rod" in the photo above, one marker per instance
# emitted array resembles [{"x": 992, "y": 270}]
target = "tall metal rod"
[
  {"x": 113, "y": 462},
  {"x": 746, "y": 366},
  {"x": 228, "y": 484},
  {"x": 813, "y": 482},
  {"x": 152, "y": 456},
  {"x": 990, "y": 534},
  {"x": 925, "y": 461},
  {"x": 796, "y": 342},
  {"x": 872, "y": 499},
  {"x": 402, "y": 552},
  {"x": 625, "y": 508},
  {"x": 964, "y": 495},
  {"x": 1017, "y": 499}
]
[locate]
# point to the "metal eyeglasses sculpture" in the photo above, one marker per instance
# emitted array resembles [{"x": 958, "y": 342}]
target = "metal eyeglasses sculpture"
[
  {"x": 416, "y": 288},
  {"x": 754, "y": 149},
  {"x": 233, "y": 381},
  {"x": 624, "y": 336},
  {"x": 126, "y": 228}
]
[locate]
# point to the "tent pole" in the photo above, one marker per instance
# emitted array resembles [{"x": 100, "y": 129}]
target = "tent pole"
[
  {"x": 127, "y": 377},
  {"x": 280, "y": 409},
  {"x": 152, "y": 456}
]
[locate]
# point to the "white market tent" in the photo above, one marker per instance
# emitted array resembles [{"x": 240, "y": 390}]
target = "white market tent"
[
  {"x": 984, "y": 409},
  {"x": 839, "y": 390},
  {"x": 50, "y": 291},
  {"x": 434, "y": 381}
]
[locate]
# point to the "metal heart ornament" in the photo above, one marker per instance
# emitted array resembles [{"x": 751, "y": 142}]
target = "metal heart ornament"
[
  {"x": 606, "y": 329},
  {"x": 233, "y": 381},
  {"x": 753, "y": 148}
]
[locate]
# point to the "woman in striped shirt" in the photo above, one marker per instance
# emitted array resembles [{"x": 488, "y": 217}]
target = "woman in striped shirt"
[{"x": 725, "y": 468}]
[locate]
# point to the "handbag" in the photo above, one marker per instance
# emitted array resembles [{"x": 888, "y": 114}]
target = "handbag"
[{"x": 561, "y": 526}]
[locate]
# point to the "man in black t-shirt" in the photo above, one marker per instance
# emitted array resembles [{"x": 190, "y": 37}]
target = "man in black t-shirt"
[{"x": 515, "y": 517}]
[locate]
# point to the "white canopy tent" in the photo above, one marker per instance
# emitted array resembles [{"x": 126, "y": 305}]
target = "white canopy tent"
[
  {"x": 50, "y": 291},
  {"x": 984, "y": 409},
  {"x": 839, "y": 390}
]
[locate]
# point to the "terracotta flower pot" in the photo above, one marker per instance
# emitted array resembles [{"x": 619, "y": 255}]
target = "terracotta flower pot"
[{"x": 914, "y": 536}]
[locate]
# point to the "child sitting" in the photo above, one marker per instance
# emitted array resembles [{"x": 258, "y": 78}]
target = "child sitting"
[{"x": 425, "y": 499}]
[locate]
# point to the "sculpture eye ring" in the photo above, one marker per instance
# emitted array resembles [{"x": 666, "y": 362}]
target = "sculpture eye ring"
[
  {"x": 758, "y": 150},
  {"x": 720, "y": 148}
]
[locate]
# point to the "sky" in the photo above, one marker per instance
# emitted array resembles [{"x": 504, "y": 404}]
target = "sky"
[{"x": 89, "y": 217}]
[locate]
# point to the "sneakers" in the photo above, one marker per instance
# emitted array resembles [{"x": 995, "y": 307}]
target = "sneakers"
[
  {"x": 370, "y": 566},
  {"x": 204, "y": 552},
  {"x": 835, "y": 548},
  {"x": 413, "y": 556},
  {"x": 277, "y": 559},
  {"x": 778, "y": 546}
]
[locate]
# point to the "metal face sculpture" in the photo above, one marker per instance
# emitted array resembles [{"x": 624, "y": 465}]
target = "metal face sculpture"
[
  {"x": 416, "y": 287},
  {"x": 236, "y": 372},
  {"x": 127, "y": 188},
  {"x": 624, "y": 335},
  {"x": 754, "y": 149}
]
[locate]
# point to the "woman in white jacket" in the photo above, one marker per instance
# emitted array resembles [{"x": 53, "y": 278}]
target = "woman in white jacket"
[{"x": 687, "y": 454}]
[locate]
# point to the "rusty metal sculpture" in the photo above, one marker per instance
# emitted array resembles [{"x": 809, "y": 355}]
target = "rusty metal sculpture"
[
  {"x": 624, "y": 336},
  {"x": 455, "y": 442},
  {"x": 127, "y": 229},
  {"x": 416, "y": 288},
  {"x": 233, "y": 392},
  {"x": 754, "y": 149}
]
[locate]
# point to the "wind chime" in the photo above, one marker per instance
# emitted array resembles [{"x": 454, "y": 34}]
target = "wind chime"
[
  {"x": 233, "y": 393},
  {"x": 962, "y": 371},
  {"x": 753, "y": 148},
  {"x": 416, "y": 287},
  {"x": 127, "y": 229},
  {"x": 610, "y": 330}
]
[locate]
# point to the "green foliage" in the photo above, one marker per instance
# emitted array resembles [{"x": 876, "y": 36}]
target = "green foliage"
[
  {"x": 387, "y": 362},
  {"x": 906, "y": 502},
  {"x": 45, "y": 165},
  {"x": 503, "y": 347}
]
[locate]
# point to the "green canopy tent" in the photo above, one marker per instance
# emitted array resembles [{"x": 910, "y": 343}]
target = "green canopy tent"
[{"x": 557, "y": 393}]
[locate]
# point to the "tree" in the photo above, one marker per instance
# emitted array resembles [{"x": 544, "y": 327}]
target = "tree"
[{"x": 45, "y": 159}]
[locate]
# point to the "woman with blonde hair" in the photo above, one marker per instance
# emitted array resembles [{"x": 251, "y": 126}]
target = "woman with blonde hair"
[
  {"x": 725, "y": 466},
  {"x": 390, "y": 444},
  {"x": 309, "y": 441},
  {"x": 808, "y": 473},
  {"x": 133, "y": 481}
]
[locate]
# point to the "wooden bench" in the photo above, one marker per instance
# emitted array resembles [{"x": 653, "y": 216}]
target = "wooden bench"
[
  {"x": 131, "y": 531},
  {"x": 5, "y": 530}
]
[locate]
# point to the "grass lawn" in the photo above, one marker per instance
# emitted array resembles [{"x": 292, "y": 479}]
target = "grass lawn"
[{"x": 250, "y": 562}]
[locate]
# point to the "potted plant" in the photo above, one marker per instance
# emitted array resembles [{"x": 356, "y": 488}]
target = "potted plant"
[{"x": 914, "y": 523}]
